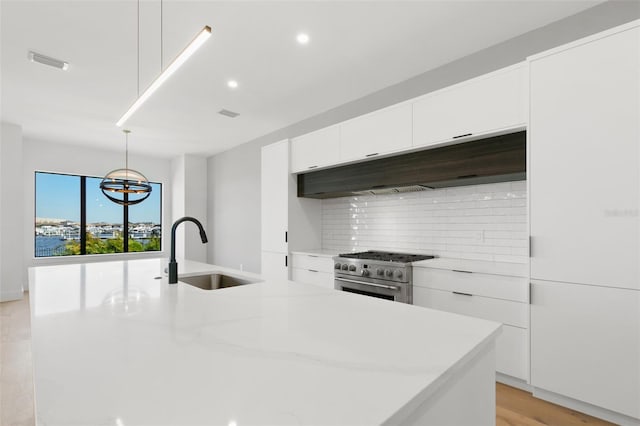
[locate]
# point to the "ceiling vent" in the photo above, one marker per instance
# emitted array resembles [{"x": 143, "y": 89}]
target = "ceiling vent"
[
  {"x": 228, "y": 113},
  {"x": 47, "y": 60}
]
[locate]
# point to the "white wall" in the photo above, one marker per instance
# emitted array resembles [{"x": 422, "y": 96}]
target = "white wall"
[
  {"x": 234, "y": 176},
  {"x": 234, "y": 208},
  {"x": 12, "y": 273},
  {"x": 178, "y": 188},
  {"x": 189, "y": 183},
  {"x": 196, "y": 206},
  {"x": 483, "y": 222},
  {"x": 72, "y": 159}
]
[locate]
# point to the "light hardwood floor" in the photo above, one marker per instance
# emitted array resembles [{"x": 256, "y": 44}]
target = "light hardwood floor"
[
  {"x": 513, "y": 406},
  {"x": 517, "y": 407},
  {"x": 16, "y": 380}
]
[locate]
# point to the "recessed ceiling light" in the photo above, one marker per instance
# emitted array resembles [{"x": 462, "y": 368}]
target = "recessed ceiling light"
[
  {"x": 232, "y": 84},
  {"x": 302, "y": 38}
]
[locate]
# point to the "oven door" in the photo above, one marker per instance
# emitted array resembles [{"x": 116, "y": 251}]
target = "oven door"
[{"x": 398, "y": 292}]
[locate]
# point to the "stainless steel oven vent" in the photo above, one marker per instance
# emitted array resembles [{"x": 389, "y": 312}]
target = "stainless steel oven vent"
[{"x": 393, "y": 190}]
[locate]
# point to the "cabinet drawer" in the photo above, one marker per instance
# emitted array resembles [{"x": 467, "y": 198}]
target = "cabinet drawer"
[
  {"x": 512, "y": 352},
  {"x": 496, "y": 286},
  {"x": 316, "y": 263},
  {"x": 504, "y": 311},
  {"x": 307, "y": 276}
]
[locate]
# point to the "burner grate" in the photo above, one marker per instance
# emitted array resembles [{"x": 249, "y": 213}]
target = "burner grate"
[{"x": 387, "y": 256}]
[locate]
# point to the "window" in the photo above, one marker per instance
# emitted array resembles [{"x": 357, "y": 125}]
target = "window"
[{"x": 73, "y": 217}]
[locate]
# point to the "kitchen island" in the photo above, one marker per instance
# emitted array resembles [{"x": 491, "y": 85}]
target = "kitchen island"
[{"x": 115, "y": 344}]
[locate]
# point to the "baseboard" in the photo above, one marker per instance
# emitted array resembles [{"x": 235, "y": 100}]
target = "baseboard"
[
  {"x": 583, "y": 407},
  {"x": 10, "y": 296},
  {"x": 513, "y": 382}
]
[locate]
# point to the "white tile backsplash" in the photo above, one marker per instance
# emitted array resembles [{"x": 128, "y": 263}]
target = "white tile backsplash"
[{"x": 485, "y": 222}]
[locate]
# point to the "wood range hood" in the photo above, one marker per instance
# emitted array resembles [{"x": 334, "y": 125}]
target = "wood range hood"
[{"x": 495, "y": 159}]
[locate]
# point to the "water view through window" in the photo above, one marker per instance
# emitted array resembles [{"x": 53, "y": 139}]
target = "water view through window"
[{"x": 64, "y": 212}]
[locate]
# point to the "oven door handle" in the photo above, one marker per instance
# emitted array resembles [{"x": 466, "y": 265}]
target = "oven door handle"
[{"x": 388, "y": 287}]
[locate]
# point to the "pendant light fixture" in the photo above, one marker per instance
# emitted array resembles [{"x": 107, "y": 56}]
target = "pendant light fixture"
[
  {"x": 165, "y": 73},
  {"x": 125, "y": 186}
]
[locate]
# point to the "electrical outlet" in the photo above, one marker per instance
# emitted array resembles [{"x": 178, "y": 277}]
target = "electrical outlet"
[
  {"x": 241, "y": 267},
  {"x": 478, "y": 236}
]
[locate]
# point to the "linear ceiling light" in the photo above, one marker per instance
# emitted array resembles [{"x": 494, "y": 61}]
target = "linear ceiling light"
[{"x": 164, "y": 75}]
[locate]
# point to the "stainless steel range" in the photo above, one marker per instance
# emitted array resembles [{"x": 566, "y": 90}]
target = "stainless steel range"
[{"x": 377, "y": 273}]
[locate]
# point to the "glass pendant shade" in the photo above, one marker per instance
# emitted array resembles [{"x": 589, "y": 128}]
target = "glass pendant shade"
[{"x": 125, "y": 186}]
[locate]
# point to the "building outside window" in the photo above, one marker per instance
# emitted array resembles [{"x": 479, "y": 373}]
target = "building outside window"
[{"x": 64, "y": 213}]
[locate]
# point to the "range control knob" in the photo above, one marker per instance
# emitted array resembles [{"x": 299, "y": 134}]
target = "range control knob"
[
  {"x": 337, "y": 266},
  {"x": 379, "y": 271},
  {"x": 352, "y": 268},
  {"x": 345, "y": 266},
  {"x": 398, "y": 273},
  {"x": 364, "y": 272},
  {"x": 388, "y": 272}
]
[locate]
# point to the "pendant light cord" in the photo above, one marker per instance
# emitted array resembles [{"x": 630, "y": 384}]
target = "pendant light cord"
[
  {"x": 161, "y": 37},
  {"x": 138, "y": 40},
  {"x": 126, "y": 151}
]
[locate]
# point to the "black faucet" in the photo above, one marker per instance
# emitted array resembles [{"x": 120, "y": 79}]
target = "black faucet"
[{"x": 173, "y": 265}]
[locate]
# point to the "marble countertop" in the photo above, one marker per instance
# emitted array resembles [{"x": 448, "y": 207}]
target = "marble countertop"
[{"x": 113, "y": 345}]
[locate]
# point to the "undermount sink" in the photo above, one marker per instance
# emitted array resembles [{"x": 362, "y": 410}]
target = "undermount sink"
[{"x": 215, "y": 281}]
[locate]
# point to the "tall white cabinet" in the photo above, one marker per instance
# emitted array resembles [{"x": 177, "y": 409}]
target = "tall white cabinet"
[
  {"x": 275, "y": 210},
  {"x": 584, "y": 142},
  {"x": 287, "y": 222}
]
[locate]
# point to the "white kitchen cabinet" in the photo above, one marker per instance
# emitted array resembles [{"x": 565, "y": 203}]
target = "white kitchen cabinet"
[
  {"x": 584, "y": 142},
  {"x": 274, "y": 265},
  {"x": 490, "y": 104},
  {"x": 484, "y": 105},
  {"x": 585, "y": 344},
  {"x": 495, "y": 297},
  {"x": 315, "y": 149},
  {"x": 512, "y": 352},
  {"x": 504, "y": 311},
  {"x": 312, "y": 269},
  {"x": 584, "y": 165},
  {"x": 312, "y": 261},
  {"x": 275, "y": 194},
  {"x": 489, "y": 285},
  {"x": 377, "y": 133},
  {"x": 287, "y": 222},
  {"x": 275, "y": 210},
  {"x": 312, "y": 276}
]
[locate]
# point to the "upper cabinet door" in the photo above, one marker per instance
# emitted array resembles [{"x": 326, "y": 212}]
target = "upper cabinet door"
[
  {"x": 483, "y": 105},
  {"x": 377, "y": 133},
  {"x": 275, "y": 196},
  {"x": 585, "y": 162},
  {"x": 316, "y": 149}
]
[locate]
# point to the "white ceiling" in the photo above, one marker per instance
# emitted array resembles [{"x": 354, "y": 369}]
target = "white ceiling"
[{"x": 356, "y": 48}]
